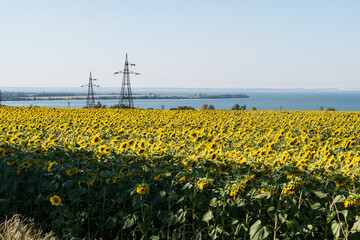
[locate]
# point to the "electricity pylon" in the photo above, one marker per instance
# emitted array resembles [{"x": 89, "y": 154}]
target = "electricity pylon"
[
  {"x": 0, "y": 98},
  {"x": 90, "y": 101},
  {"x": 126, "y": 98}
]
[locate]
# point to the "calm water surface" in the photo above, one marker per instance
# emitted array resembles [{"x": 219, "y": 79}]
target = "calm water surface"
[{"x": 261, "y": 101}]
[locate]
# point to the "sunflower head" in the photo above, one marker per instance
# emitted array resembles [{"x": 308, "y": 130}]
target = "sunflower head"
[
  {"x": 141, "y": 151},
  {"x": 55, "y": 200},
  {"x": 101, "y": 148},
  {"x": 51, "y": 165},
  {"x": 205, "y": 182},
  {"x": 143, "y": 189},
  {"x": 96, "y": 139},
  {"x": 236, "y": 190},
  {"x": 71, "y": 171},
  {"x": 118, "y": 178},
  {"x": 123, "y": 145},
  {"x": 182, "y": 179}
]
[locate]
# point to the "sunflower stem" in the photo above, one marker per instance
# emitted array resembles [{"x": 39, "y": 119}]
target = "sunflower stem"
[
  {"x": 103, "y": 215},
  {"x": 246, "y": 222},
  {"x": 168, "y": 226},
  {"x": 338, "y": 217},
  {"x": 88, "y": 211}
]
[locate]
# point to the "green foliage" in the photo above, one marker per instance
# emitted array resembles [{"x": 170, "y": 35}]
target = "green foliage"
[
  {"x": 183, "y": 108},
  {"x": 94, "y": 206},
  {"x": 258, "y": 232},
  {"x": 99, "y": 105},
  {"x": 119, "y": 106},
  {"x": 238, "y": 107},
  {"x": 211, "y": 107}
]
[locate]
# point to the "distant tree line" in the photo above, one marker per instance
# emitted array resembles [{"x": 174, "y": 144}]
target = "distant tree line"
[
  {"x": 205, "y": 106},
  {"x": 183, "y": 108},
  {"x": 15, "y": 96}
]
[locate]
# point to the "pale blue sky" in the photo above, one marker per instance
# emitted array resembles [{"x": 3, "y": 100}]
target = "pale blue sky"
[{"x": 198, "y": 43}]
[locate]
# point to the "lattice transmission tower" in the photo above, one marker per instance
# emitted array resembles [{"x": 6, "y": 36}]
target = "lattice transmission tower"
[
  {"x": 126, "y": 98},
  {"x": 0, "y": 98},
  {"x": 90, "y": 100}
]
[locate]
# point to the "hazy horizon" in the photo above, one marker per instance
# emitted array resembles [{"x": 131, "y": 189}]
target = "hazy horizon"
[{"x": 170, "y": 90}]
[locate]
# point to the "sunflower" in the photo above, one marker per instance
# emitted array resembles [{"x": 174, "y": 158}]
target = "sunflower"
[
  {"x": 141, "y": 151},
  {"x": 206, "y": 182},
  {"x": 352, "y": 202},
  {"x": 181, "y": 147},
  {"x": 118, "y": 178},
  {"x": 289, "y": 190},
  {"x": 94, "y": 181},
  {"x": 12, "y": 162},
  {"x": 143, "y": 189},
  {"x": 142, "y": 144},
  {"x": 101, "y": 148},
  {"x": 124, "y": 169},
  {"x": 14, "y": 139},
  {"x": 10, "y": 133},
  {"x": 20, "y": 170},
  {"x": 55, "y": 200},
  {"x": 31, "y": 142},
  {"x": 82, "y": 148},
  {"x": 37, "y": 151},
  {"x": 107, "y": 150},
  {"x": 182, "y": 179},
  {"x": 158, "y": 176},
  {"x": 72, "y": 171},
  {"x": 235, "y": 190},
  {"x": 95, "y": 139},
  {"x": 81, "y": 142},
  {"x": 123, "y": 145},
  {"x": 271, "y": 190},
  {"x": 51, "y": 165}
]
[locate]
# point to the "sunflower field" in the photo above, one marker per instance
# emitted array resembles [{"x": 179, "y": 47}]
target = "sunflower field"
[{"x": 184, "y": 174}]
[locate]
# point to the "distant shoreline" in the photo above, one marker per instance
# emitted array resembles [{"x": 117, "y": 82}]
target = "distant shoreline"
[{"x": 73, "y": 96}]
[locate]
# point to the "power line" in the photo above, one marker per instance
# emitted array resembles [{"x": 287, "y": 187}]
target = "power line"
[{"x": 256, "y": 69}]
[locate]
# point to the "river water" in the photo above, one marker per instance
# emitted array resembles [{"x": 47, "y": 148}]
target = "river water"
[{"x": 342, "y": 101}]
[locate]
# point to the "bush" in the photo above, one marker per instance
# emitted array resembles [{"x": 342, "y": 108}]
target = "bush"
[
  {"x": 204, "y": 106},
  {"x": 183, "y": 108},
  {"x": 119, "y": 106},
  {"x": 238, "y": 107},
  {"x": 99, "y": 105}
]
